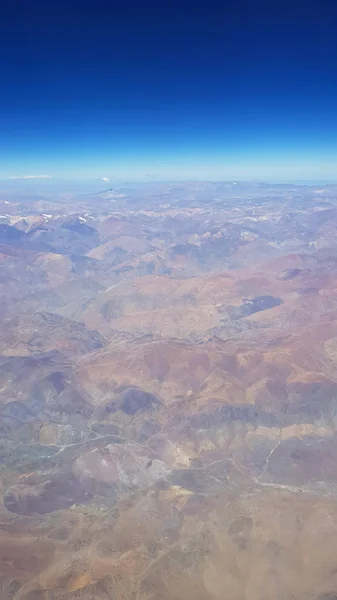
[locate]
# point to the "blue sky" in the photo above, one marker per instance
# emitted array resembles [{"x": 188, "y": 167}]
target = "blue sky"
[{"x": 179, "y": 91}]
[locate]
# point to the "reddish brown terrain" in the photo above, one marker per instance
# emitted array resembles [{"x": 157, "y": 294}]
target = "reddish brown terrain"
[{"x": 168, "y": 394}]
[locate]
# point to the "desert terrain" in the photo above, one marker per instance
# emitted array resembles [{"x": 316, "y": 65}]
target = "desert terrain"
[{"x": 168, "y": 393}]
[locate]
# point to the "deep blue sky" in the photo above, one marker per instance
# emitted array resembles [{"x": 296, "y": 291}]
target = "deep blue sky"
[{"x": 169, "y": 90}]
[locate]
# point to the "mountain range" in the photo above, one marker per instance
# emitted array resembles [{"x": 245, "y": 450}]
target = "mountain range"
[{"x": 168, "y": 393}]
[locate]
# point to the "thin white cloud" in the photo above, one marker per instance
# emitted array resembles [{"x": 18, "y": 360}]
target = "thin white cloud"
[
  {"x": 105, "y": 179},
  {"x": 33, "y": 177}
]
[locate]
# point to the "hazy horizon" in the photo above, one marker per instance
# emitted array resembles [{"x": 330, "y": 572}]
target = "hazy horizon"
[{"x": 183, "y": 92}]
